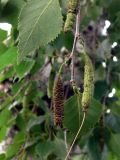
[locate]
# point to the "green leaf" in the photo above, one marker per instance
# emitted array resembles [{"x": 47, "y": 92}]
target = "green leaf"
[
  {"x": 13, "y": 148},
  {"x": 11, "y": 10},
  {"x": 24, "y": 68},
  {"x": 94, "y": 148},
  {"x": 3, "y": 48},
  {"x": 113, "y": 8},
  {"x": 44, "y": 149},
  {"x": 35, "y": 121},
  {"x": 71, "y": 113},
  {"x": 20, "y": 122},
  {"x": 2, "y": 156},
  {"x": 8, "y": 74},
  {"x": 113, "y": 121},
  {"x": 4, "y": 117},
  {"x": 3, "y": 131},
  {"x": 114, "y": 144},
  {"x": 94, "y": 12},
  {"x": 9, "y": 57},
  {"x": 37, "y": 26},
  {"x": 101, "y": 88},
  {"x": 59, "y": 148},
  {"x": 3, "y": 35}
]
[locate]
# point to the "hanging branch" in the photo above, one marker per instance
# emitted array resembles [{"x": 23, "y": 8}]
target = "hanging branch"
[
  {"x": 88, "y": 81},
  {"x": 78, "y": 132},
  {"x": 76, "y": 37}
]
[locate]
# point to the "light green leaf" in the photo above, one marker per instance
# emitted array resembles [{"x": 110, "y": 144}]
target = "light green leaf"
[
  {"x": 9, "y": 57},
  {"x": 71, "y": 113},
  {"x": 4, "y": 117},
  {"x": 3, "y": 131},
  {"x": 24, "y": 68},
  {"x": 40, "y": 23}
]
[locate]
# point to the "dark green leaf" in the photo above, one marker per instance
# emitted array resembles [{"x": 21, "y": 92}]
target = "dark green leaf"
[
  {"x": 44, "y": 149},
  {"x": 114, "y": 144},
  {"x": 94, "y": 148},
  {"x": 113, "y": 121},
  {"x": 35, "y": 121},
  {"x": 71, "y": 120}
]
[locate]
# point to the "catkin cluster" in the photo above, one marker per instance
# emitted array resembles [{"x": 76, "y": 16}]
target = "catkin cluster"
[
  {"x": 58, "y": 101},
  {"x": 71, "y": 15},
  {"x": 88, "y": 83}
]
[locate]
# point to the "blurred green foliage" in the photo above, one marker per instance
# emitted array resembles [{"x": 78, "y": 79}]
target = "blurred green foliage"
[{"x": 26, "y": 117}]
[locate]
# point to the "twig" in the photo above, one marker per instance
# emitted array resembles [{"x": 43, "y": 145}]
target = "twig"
[
  {"x": 65, "y": 139},
  {"x": 84, "y": 116},
  {"x": 77, "y": 35}
]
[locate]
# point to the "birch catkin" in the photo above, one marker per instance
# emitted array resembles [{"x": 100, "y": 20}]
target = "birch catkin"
[
  {"x": 88, "y": 83},
  {"x": 71, "y": 15},
  {"x": 58, "y": 101}
]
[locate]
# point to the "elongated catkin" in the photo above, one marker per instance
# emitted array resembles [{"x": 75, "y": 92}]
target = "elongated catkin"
[
  {"x": 71, "y": 14},
  {"x": 58, "y": 101},
  {"x": 88, "y": 83}
]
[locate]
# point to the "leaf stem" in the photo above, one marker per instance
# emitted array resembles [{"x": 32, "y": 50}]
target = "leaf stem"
[
  {"x": 76, "y": 37},
  {"x": 78, "y": 132},
  {"x": 65, "y": 139}
]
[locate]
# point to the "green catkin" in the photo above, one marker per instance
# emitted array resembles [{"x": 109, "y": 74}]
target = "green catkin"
[
  {"x": 71, "y": 15},
  {"x": 88, "y": 83},
  {"x": 58, "y": 101}
]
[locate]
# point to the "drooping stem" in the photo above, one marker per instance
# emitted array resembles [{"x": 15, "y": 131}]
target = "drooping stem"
[
  {"x": 78, "y": 132},
  {"x": 65, "y": 139}
]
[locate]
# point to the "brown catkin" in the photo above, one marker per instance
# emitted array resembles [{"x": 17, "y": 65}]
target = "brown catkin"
[{"x": 58, "y": 101}]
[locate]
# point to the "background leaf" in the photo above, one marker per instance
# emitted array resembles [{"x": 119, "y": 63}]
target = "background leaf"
[
  {"x": 72, "y": 115},
  {"x": 24, "y": 68},
  {"x": 114, "y": 144},
  {"x": 9, "y": 57}
]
